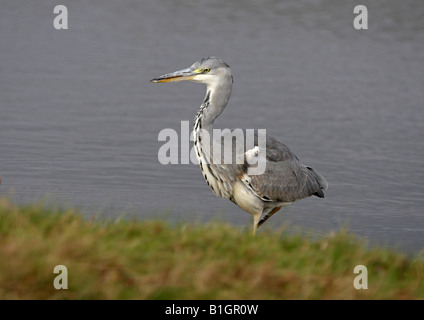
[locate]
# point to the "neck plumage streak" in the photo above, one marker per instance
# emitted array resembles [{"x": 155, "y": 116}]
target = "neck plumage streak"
[{"x": 211, "y": 176}]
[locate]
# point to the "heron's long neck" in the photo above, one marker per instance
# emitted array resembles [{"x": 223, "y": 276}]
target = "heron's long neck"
[
  {"x": 212, "y": 106},
  {"x": 216, "y": 99}
]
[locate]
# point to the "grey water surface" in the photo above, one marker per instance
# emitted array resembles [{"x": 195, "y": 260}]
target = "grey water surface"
[{"x": 79, "y": 120}]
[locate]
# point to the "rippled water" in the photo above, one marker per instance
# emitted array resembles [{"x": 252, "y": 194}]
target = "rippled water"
[{"x": 80, "y": 121}]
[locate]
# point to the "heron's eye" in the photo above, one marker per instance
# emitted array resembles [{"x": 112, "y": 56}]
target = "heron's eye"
[{"x": 206, "y": 70}]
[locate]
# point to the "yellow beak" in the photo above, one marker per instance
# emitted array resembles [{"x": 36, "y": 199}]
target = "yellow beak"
[{"x": 180, "y": 75}]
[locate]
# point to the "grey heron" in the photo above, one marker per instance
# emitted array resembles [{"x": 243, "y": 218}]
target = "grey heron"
[{"x": 284, "y": 180}]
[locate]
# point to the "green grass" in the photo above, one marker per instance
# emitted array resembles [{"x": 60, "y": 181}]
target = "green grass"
[{"x": 154, "y": 260}]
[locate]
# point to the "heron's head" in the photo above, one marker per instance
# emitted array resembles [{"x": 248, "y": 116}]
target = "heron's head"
[{"x": 210, "y": 71}]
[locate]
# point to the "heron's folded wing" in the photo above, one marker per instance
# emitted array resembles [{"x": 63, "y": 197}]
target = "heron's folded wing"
[{"x": 285, "y": 178}]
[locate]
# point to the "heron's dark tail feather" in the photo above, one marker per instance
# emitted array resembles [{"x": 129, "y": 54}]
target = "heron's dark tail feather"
[
  {"x": 319, "y": 194},
  {"x": 319, "y": 179}
]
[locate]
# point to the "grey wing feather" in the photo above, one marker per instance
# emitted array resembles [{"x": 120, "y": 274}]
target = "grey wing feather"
[{"x": 286, "y": 179}]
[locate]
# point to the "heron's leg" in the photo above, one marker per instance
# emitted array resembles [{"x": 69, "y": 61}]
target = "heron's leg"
[
  {"x": 256, "y": 218},
  {"x": 267, "y": 216}
]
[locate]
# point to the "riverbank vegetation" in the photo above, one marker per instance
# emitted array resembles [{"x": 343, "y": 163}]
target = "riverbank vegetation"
[{"x": 136, "y": 259}]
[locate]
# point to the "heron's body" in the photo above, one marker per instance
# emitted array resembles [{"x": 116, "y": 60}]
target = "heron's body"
[{"x": 284, "y": 180}]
